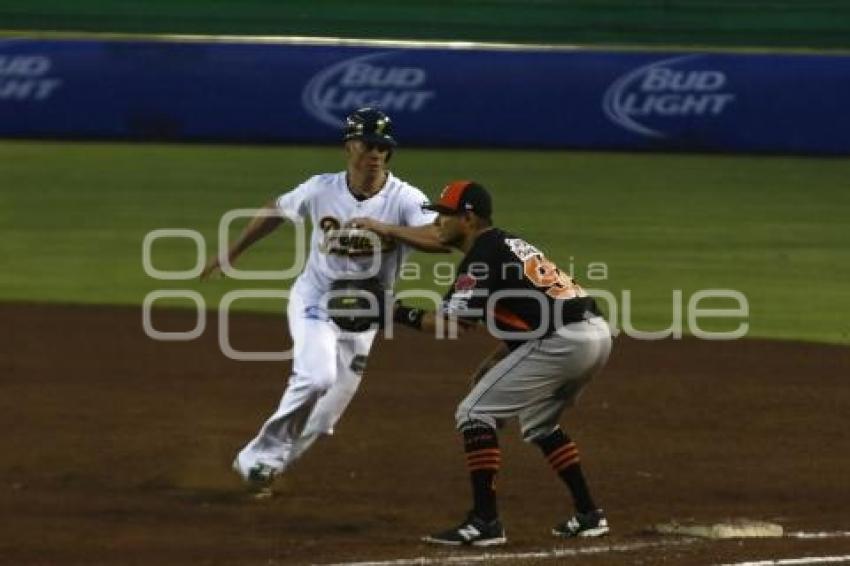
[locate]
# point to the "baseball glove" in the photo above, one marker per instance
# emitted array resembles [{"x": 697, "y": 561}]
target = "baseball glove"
[{"x": 356, "y": 305}]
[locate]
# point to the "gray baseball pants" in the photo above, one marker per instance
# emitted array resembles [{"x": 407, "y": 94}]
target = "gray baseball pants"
[{"x": 539, "y": 379}]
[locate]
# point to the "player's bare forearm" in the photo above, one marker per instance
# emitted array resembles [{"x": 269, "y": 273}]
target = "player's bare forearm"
[
  {"x": 423, "y": 238},
  {"x": 259, "y": 226}
]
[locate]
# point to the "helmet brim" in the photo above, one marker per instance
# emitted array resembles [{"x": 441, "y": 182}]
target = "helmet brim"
[{"x": 374, "y": 138}]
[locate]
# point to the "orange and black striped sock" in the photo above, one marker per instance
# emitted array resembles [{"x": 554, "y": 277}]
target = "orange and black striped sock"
[
  {"x": 562, "y": 454},
  {"x": 483, "y": 459}
]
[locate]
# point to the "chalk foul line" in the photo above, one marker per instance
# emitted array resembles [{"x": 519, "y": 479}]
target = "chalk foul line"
[
  {"x": 489, "y": 557},
  {"x": 793, "y": 561}
]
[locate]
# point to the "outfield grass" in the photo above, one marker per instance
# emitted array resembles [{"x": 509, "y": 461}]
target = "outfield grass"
[{"x": 74, "y": 216}]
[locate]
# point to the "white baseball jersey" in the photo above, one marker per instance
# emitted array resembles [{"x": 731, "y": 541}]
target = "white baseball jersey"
[{"x": 338, "y": 251}]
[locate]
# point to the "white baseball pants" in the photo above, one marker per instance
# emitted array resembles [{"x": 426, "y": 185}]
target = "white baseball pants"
[{"x": 326, "y": 369}]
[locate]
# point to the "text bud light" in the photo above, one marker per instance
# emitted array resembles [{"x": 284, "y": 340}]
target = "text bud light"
[
  {"x": 367, "y": 80},
  {"x": 661, "y": 90}
]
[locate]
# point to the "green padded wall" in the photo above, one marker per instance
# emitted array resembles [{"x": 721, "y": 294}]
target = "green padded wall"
[{"x": 722, "y": 23}]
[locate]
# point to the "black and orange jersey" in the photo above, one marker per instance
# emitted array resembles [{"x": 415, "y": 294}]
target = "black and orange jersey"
[{"x": 510, "y": 284}]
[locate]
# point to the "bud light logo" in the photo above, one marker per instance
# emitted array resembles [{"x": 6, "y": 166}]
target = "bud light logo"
[
  {"x": 365, "y": 81},
  {"x": 665, "y": 89},
  {"x": 27, "y": 77}
]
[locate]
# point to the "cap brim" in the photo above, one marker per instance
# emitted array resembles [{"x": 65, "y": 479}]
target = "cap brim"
[{"x": 434, "y": 207}]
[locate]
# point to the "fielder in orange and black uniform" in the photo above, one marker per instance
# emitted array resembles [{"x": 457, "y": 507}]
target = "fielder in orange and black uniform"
[{"x": 554, "y": 341}]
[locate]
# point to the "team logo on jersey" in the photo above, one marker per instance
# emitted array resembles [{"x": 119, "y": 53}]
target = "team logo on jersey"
[
  {"x": 543, "y": 273},
  {"x": 658, "y": 96},
  {"x": 367, "y": 80},
  {"x": 353, "y": 242}
]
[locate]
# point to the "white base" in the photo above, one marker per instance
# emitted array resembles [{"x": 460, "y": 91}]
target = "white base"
[{"x": 730, "y": 528}]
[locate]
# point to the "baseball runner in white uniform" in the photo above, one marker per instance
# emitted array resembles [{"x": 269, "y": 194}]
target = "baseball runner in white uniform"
[{"x": 328, "y": 363}]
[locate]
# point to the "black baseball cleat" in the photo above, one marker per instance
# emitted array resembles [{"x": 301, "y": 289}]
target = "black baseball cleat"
[
  {"x": 590, "y": 524},
  {"x": 258, "y": 480},
  {"x": 472, "y": 532}
]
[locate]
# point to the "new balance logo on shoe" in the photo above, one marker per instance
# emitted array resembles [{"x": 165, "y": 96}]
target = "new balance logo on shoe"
[
  {"x": 469, "y": 532},
  {"x": 473, "y": 532},
  {"x": 590, "y": 524}
]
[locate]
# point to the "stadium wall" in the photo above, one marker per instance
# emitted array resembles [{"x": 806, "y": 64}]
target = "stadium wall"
[
  {"x": 520, "y": 97},
  {"x": 777, "y": 23}
]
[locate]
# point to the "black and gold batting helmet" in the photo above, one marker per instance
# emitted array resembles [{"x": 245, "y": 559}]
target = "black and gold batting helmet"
[{"x": 370, "y": 125}]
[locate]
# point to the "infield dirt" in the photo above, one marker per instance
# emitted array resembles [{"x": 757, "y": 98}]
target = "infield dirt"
[{"x": 116, "y": 449}]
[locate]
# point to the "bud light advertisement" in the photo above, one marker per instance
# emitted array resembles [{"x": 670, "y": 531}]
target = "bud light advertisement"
[{"x": 438, "y": 97}]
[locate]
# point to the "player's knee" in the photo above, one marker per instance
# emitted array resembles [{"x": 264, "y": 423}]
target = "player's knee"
[
  {"x": 462, "y": 415},
  {"x": 537, "y": 433},
  {"x": 320, "y": 381},
  {"x": 466, "y": 415},
  {"x": 321, "y": 422},
  {"x": 348, "y": 381},
  {"x": 464, "y": 410}
]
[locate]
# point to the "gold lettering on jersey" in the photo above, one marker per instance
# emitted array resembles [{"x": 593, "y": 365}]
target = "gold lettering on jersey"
[
  {"x": 352, "y": 242},
  {"x": 329, "y": 223}
]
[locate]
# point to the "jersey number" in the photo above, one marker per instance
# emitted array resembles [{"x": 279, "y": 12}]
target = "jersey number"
[{"x": 546, "y": 275}]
